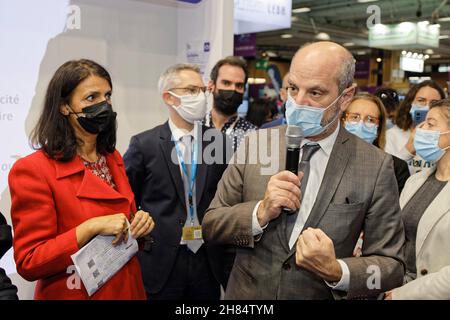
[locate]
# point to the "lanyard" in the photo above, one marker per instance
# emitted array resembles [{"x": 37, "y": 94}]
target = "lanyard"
[
  {"x": 231, "y": 128},
  {"x": 191, "y": 183}
]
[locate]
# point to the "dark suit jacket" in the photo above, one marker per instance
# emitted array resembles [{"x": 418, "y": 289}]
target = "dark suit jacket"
[
  {"x": 358, "y": 192},
  {"x": 7, "y": 290},
  {"x": 158, "y": 187},
  {"x": 401, "y": 172}
]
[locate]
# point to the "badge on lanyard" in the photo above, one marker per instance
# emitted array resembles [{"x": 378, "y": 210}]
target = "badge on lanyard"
[{"x": 190, "y": 232}]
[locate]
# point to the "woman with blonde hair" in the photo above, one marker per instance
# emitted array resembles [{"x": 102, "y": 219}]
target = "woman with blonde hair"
[{"x": 366, "y": 118}]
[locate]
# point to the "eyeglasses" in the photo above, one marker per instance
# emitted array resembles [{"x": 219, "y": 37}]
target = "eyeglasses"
[
  {"x": 191, "y": 90},
  {"x": 369, "y": 121}
]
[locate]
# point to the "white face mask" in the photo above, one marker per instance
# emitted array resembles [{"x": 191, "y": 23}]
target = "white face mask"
[{"x": 191, "y": 108}]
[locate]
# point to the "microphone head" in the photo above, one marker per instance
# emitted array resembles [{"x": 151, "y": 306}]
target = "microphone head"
[{"x": 294, "y": 136}]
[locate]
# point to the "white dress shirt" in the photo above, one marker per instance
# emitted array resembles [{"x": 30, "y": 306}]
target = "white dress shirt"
[
  {"x": 177, "y": 135},
  {"x": 318, "y": 164}
]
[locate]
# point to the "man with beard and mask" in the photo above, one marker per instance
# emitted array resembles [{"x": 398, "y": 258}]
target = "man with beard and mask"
[
  {"x": 283, "y": 97},
  {"x": 227, "y": 84},
  {"x": 8, "y": 291},
  {"x": 344, "y": 186},
  {"x": 173, "y": 176}
]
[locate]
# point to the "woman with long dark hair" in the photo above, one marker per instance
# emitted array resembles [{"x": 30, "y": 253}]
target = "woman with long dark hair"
[
  {"x": 74, "y": 187},
  {"x": 410, "y": 113}
]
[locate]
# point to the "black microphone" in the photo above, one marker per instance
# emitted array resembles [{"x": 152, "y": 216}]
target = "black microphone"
[{"x": 294, "y": 137}]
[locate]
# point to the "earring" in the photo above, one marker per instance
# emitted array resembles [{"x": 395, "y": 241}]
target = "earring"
[{"x": 65, "y": 111}]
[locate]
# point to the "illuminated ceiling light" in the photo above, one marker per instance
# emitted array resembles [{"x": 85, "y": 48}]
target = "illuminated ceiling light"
[
  {"x": 444, "y": 36},
  {"x": 286, "y": 36},
  {"x": 414, "y": 55},
  {"x": 361, "y": 52},
  {"x": 406, "y": 26},
  {"x": 380, "y": 26},
  {"x": 409, "y": 54},
  {"x": 379, "y": 60},
  {"x": 436, "y": 56},
  {"x": 444, "y": 19},
  {"x": 426, "y": 57},
  {"x": 403, "y": 52},
  {"x": 380, "y": 29},
  {"x": 256, "y": 80},
  {"x": 323, "y": 36},
  {"x": 429, "y": 51},
  {"x": 301, "y": 10},
  {"x": 366, "y": 1},
  {"x": 348, "y": 44},
  {"x": 420, "y": 56}
]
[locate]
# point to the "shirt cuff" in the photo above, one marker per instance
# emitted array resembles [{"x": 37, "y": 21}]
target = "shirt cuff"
[
  {"x": 256, "y": 228},
  {"x": 344, "y": 283}
]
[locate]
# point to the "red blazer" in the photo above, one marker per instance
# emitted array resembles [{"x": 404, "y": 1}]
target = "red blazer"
[{"x": 49, "y": 200}]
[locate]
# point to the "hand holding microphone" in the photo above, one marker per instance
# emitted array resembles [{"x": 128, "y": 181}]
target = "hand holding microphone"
[{"x": 283, "y": 190}]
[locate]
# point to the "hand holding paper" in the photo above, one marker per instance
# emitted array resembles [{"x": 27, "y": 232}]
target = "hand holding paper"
[{"x": 100, "y": 259}]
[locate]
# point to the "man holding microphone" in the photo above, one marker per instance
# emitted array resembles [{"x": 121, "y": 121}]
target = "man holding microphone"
[{"x": 344, "y": 186}]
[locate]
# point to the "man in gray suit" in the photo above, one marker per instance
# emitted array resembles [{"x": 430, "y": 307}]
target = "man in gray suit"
[{"x": 344, "y": 186}]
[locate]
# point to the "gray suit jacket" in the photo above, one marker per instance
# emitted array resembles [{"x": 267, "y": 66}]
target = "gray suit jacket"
[{"x": 358, "y": 192}]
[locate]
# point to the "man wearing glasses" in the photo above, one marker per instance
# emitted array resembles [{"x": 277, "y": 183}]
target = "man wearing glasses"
[
  {"x": 344, "y": 186},
  {"x": 227, "y": 84},
  {"x": 173, "y": 177}
]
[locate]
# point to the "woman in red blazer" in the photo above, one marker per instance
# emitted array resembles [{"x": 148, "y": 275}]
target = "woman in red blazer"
[{"x": 74, "y": 188}]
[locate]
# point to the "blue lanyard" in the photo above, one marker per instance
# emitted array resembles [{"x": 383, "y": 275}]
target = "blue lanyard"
[{"x": 191, "y": 183}]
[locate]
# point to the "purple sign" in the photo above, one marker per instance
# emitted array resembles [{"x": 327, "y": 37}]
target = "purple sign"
[
  {"x": 190, "y": 1},
  {"x": 245, "y": 45},
  {"x": 362, "y": 69}
]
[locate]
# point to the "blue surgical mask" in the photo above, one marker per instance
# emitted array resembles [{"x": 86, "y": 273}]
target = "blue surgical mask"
[
  {"x": 308, "y": 118},
  {"x": 426, "y": 143},
  {"x": 389, "y": 124},
  {"x": 368, "y": 134},
  {"x": 418, "y": 113}
]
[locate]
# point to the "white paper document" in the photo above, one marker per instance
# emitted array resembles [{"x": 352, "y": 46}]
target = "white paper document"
[{"x": 99, "y": 260}]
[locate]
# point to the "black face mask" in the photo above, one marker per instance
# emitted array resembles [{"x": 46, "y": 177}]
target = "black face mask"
[
  {"x": 97, "y": 117},
  {"x": 5, "y": 239},
  {"x": 228, "y": 101}
]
